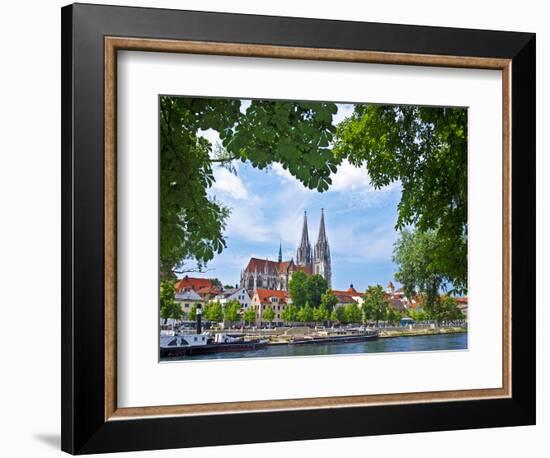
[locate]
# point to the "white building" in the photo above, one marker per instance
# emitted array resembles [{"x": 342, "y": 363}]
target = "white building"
[
  {"x": 186, "y": 299},
  {"x": 238, "y": 294}
]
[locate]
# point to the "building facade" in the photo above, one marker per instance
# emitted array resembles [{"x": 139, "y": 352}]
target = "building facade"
[
  {"x": 275, "y": 299},
  {"x": 234, "y": 294}
]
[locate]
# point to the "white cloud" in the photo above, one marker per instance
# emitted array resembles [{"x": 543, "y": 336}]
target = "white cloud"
[
  {"x": 351, "y": 242},
  {"x": 349, "y": 178},
  {"x": 248, "y": 223},
  {"x": 229, "y": 183}
]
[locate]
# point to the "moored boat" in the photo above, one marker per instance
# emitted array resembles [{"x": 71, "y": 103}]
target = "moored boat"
[
  {"x": 193, "y": 344},
  {"x": 335, "y": 339}
]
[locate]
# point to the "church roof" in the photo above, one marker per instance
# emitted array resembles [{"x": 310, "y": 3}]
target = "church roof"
[
  {"x": 306, "y": 269},
  {"x": 259, "y": 265},
  {"x": 284, "y": 266}
]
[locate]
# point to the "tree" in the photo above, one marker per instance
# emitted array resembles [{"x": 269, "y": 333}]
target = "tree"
[
  {"x": 214, "y": 312},
  {"x": 249, "y": 315},
  {"x": 296, "y": 135},
  {"x": 306, "y": 288},
  {"x": 193, "y": 312},
  {"x": 417, "y": 315},
  {"x": 351, "y": 315},
  {"x": 341, "y": 315},
  {"x": 268, "y": 314},
  {"x": 333, "y": 315},
  {"x": 305, "y": 314},
  {"x": 375, "y": 305},
  {"x": 297, "y": 288},
  {"x": 415, "y": 253},
  {"x": 216, "y": 283},
  {"x": 316, "y": 286},
  {"x": 329, "y": 300},
  {"x": 290, "y": 313},
  {"x": 446, "y": 309},
  {"x": 169, "y": 308},
  {"x": 321, "y": 313},
  {"x": 231, "y": 311},
  {"x": 425, "y": 150},
  {"x": 393, "y": 316}
]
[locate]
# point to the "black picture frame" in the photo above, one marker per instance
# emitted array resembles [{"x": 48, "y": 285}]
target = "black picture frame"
[{"x": 84, "y": 428}]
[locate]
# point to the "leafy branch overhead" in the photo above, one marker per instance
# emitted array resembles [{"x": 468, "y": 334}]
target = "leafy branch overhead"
[
  {"x": 425, "y": 150},
  {"x": 296, "y": 135},
  {"x": 421, "y": 149}
]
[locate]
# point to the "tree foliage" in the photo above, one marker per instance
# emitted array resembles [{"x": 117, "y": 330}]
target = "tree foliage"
[
  {"x": 290, "y": 313},
  {"x": 392, "y": 316},
  {"x": 214, "y": 312},
  {"x": 414, "y": 254},
  {"x": 249, "y": 316},
  {"x": 352, "y": 314},
  {"x": 446, "y": 309},
  {"x": 193, "y": 312},
  {"x": 425, "y": 150},
  {"x": 297, "y": 288},
  {"x": 340, "y": 315},
  {"x": 305, "y": 288},
  {"x": 329, "y": 300},
  {"x": 231, "y": 311},
  {"x": 375, "y": 305},
  {"x": 305, "y": 313},
  {"x": 321, "y": 313},
  {"x": 268, "y": 314},
  {"x": 169, "y": 308},
  {"x": 295, "y": 134},
  {"x": 316, "y": 286}
]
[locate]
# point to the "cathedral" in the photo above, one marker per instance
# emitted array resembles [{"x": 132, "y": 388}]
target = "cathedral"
[{"x": 275, "y": 275}]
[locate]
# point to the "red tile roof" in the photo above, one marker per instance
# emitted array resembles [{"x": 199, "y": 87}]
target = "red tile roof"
[
  {"x": 260, "y": 264},
  {"x": 349, "y": 292},
  {"x": 265, "y": 294},
  {"x": 208, "y": 291},
  {"x": 344, "y": 298},
  {"x": 187, "y": 283}
]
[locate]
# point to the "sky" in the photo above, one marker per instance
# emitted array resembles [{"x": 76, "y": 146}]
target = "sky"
[{"x": 267, "y": 208}]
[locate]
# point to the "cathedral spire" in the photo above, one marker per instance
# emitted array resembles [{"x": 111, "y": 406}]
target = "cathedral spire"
[
  {"x": 303, "y": 254},
  {"x": 322, "y": 234},
  {"x": 322, "y": 263},
  {"x": 280, "y": 251}
]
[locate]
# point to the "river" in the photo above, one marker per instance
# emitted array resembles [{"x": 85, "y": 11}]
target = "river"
[{"x": 437, "y": 342}]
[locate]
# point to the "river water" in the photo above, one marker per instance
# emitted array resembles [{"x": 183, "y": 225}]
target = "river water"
[{"x": 436, "y": 342}]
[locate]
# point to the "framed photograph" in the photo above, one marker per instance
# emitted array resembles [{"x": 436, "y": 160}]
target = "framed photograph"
[{"x": 284, "y": 228}]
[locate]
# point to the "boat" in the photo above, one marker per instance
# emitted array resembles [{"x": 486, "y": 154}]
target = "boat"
[
  {"x": 336, "y": 339},
  {"x": 199, "y": 344}
]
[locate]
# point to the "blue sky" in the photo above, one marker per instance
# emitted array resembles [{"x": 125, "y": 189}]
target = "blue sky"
[{"x": 267, "y": 207}]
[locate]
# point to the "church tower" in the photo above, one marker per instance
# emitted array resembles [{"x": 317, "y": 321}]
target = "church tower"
[
  {"x": 321, "y": 259},
  {"x": 303, "y": 253}
]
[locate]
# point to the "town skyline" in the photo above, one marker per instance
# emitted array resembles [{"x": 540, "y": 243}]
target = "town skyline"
[{"x": 267, "y": 208}]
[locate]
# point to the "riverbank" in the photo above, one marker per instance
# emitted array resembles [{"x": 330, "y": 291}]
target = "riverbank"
[
  {"x": 434, "y": 341},
  {"x": 406, "y": 332}
]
